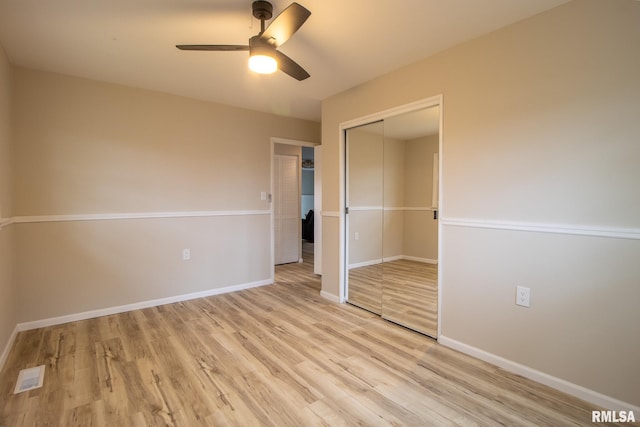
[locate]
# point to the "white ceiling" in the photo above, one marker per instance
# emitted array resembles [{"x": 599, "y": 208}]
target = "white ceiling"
[{"x": 344, "y": 43}]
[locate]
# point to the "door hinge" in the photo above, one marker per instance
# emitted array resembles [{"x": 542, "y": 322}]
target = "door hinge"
[{"x": 346, "y": 210}]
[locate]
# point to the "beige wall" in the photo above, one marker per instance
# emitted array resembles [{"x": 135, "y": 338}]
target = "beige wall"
[
  {"x": 86, "y": 147},
  {"x": 71, "y": 267},
  {"x": 287, "y": 149},
  {"x": 396, "y": 174},
  {"x": 420, "y": 233},
  {"x": 89, "y": 147},
  {"x": 541, "y": 125},
  {"x": 7, "y": 284},
  {"x": 393, "y": 197},
  {"x": 365, "y": 152}
]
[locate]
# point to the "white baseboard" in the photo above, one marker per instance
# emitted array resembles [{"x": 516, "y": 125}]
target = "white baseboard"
[
  {"x": 7, "y": 348},
  {"x": 578, "y": 391},
  {"x": 419, "y": 259},
  {"x": 136, "y": 306},
  {"x": 365, "y": 263},
  {"x": 330, "y": 297},
  {"x": 393, "y": 258}
]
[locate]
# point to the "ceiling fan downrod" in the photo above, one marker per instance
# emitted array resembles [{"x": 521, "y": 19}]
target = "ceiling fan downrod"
[{"x": 262, "y": 10}]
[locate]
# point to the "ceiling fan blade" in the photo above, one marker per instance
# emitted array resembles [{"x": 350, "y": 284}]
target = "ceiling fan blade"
[
  {"x": 215, "y": 47},
  {"x": 290, "y": 67},
  {"x": 284, "y": 25}
]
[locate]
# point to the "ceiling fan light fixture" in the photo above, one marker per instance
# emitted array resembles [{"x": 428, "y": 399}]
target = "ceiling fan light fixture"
[
  {"x": 264, "y": 56},
  {"x": 262, "y": 63}
]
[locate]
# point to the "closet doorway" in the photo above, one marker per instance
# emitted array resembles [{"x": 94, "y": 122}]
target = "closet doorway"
[{"x": 392, "y": 183}]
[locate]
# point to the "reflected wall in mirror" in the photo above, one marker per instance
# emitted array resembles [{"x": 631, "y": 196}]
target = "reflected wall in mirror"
[
  {"x": 410, "y": 235},
  {"x": 364, "y": 194},
  {"x": 395, "y": 272}
]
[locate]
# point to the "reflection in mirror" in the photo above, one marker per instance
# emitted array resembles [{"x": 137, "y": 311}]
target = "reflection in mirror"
[
  {"x": 410, "y": 234},
  {"x": 392, "y": 232},
  {"x": 364, "y": 156}
]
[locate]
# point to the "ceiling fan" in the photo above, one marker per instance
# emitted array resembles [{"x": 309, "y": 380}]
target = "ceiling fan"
[{"x": 264, "y": 56}]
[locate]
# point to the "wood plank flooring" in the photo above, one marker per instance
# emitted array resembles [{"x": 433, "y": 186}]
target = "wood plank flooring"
[
  {"x": 402, "y": 291},
  {"x": 410, "y": 295},
  {"x": 365, "y": 287},
  {"x": 277, "y": 355}
]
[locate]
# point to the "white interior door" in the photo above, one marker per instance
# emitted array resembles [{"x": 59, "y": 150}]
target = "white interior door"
[{"x": 286, "y": 209}]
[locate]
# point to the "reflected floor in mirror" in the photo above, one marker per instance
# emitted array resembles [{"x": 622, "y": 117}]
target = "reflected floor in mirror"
[
  {"x": 410, "y": 295},
  {"x": 402, "y": 291},
  {"x": 365, "y": 287}
]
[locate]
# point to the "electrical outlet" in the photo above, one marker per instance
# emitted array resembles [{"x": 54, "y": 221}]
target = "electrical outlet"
[
  {"x": 186, "y": 254},
  {"x": 356, "y": 235},
  {"x": 523, "y": 296}
]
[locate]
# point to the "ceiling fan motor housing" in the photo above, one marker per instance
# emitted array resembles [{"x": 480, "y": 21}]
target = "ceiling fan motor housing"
[
  {"x": 259, "y": 46},
  {"x": 262, "y": 10}
]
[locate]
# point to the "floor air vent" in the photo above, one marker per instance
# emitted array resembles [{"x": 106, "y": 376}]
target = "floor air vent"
[{"x": 28, "y": 379}]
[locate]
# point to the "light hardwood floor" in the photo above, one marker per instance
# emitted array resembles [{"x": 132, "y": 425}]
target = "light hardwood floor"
[{"x": 275, "y": 355}]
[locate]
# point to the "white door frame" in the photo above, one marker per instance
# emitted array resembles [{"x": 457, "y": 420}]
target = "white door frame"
[
  {"x": 381, "y": 115},
  {"x": 317, "y": 208},
  {"x": 277, "y": 140}
]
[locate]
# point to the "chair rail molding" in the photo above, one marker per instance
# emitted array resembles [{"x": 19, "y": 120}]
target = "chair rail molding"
[{"x": 539, "y": 227}]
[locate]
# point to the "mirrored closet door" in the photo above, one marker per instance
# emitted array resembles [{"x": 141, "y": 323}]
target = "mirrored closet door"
[
  {"x": 364, "y": 194},
  {"x": 392, "y": 230}
]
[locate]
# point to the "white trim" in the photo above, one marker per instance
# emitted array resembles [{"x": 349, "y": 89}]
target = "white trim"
[
  {"x": 385, "y": 114},
  {"x": 287, "y": 141},
  {"x": 435, "y": 188},
  {"x": 6, "y": 222},
  {"x": 409, "y": 258},
  {"x": 419, "y": 259},
  {"x": 331, "y": 297},
  {"x": 317, "y": 206},
  {"x": 439, "y": 207},
  {"x": 136, "y": 306},
  {"x": 417, "y": 208},
  {"x": 134, "y": 215},
  {"x": 391, "y": 259},
  {"x": 7, "y": 348},
  {"x": 365, "y": 208},
  {"x": 390, "y": 208},
  {"x": 365, "y": 263},
  {"x": 331, "y": 214},
  {"x": 591, "y": 231},
  {"x": 581, "y": 392}
]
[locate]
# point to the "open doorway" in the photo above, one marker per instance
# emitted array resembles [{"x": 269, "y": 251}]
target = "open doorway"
[
  {"x": 294, "y": 189},
  {"x": 286, "y": 185}
]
